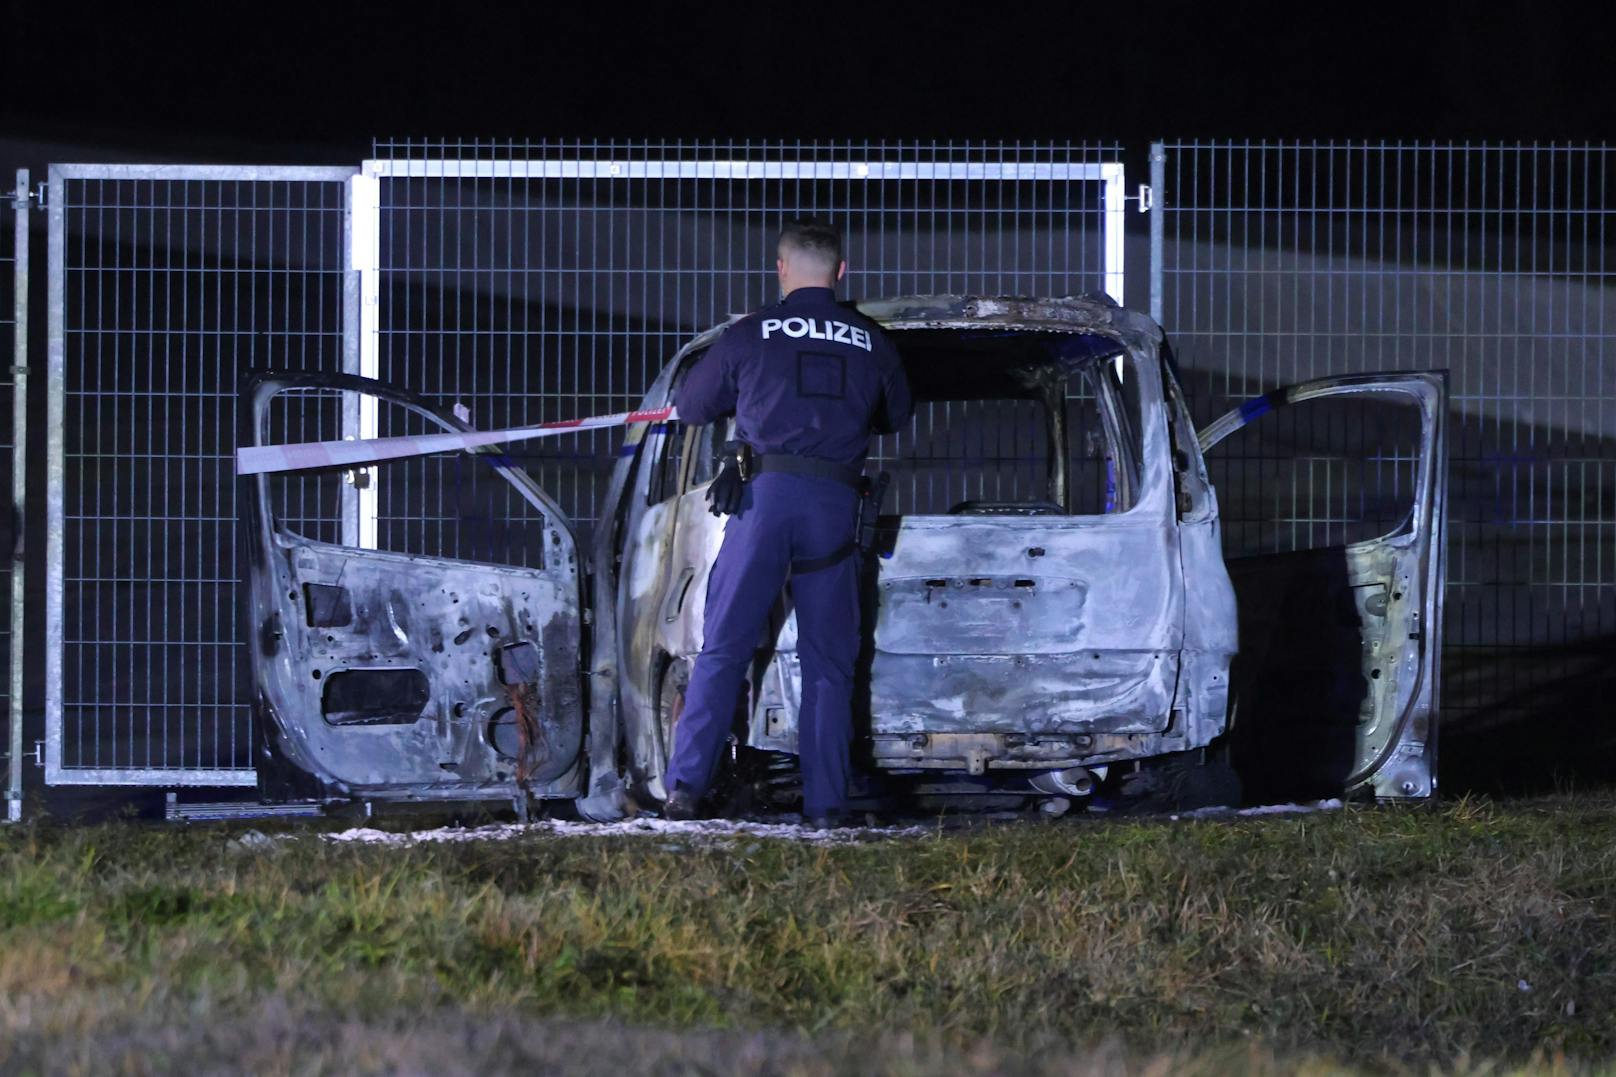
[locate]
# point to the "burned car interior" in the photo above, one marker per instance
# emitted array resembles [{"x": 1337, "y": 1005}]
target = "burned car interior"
[
  {"x": 1013, "y": 424},
  {"x": 1007, "y": 424},
  {"x": 1074, "y": 594}
]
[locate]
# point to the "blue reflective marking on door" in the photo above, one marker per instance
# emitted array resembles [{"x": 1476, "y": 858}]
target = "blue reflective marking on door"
[{"x": 1255, "y": 408}]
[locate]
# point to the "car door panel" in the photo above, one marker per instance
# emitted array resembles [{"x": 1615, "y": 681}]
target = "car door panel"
[
  {"x": 389, "y": 675},
  {"x": 1335, "y": 688}
]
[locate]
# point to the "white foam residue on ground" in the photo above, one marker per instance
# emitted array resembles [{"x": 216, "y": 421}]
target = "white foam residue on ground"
[
  {"x": 1265, "y": 809},
  {"x": 1292, "y": 809},
  {"x": 708, "y": 830},
  {"x": 643, "y": 826}
]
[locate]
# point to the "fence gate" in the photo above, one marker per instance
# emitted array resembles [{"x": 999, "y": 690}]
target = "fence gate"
[
  {"x": 1277, "y": 262},
  {"x": 165, "y": 285},
  {"x": 538, "y": 281},
  {"x": 13, "y": 476},
  {"x": 520, "y": 281}
]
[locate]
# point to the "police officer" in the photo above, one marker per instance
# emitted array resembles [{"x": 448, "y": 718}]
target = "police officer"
[{"x": 808, "y": 381}]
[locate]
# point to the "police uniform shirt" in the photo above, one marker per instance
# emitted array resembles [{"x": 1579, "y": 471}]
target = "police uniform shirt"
[{"x": 806, "y": 377}]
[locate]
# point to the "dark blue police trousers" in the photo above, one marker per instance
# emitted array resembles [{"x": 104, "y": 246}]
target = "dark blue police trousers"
[{"x": 783, "y": 518}]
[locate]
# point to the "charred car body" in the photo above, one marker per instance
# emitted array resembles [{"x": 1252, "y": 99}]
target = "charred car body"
[{"x": 1048, "y": 606}]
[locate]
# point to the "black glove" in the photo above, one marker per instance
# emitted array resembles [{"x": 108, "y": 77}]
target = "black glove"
[{"x": 724, "y": 495}]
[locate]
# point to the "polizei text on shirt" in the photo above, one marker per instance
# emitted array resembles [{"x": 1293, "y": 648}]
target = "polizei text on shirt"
[{"x": 818, "y": 329}]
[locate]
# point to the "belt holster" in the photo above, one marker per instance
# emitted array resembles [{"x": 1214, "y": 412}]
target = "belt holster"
[
  {"x": 741, "y": 453},
  {"x": 869, "y": 511}
]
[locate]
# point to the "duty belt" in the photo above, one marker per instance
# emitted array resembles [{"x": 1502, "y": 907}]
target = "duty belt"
[
  {"x": 870, "y": 493},
  {"x": 807, "y": 465}
]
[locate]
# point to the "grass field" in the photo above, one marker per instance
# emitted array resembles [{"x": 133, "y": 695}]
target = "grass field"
[{"x": 1469, "y": 937}]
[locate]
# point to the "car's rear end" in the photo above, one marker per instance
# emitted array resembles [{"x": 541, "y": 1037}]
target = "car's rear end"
[{"x": 1026, "y": 621}]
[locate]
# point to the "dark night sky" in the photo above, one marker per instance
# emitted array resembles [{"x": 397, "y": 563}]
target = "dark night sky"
[{"x": 319, "y": 81}]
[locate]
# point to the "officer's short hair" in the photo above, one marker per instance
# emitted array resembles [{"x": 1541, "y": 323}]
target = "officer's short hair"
[{"x": 813, "y": 237}]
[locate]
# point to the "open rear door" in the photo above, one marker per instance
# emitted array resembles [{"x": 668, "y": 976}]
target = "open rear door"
[
  {"x": 431, "y": 652},
  {"x": 1332, "y": 500}
]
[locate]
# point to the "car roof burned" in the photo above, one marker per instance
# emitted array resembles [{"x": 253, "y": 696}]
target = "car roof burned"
[
  {"x": 974, "y": 347},
  {"x": 1093, "y": 327},
  {"x": 1097, "y": 315}
]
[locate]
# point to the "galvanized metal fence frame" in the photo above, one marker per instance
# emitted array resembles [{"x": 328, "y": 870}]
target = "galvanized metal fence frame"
[
  {"x": 16, "y": 382},
  {"x": 58, "y": 769},
  {"x": 1489, "y": 259}
]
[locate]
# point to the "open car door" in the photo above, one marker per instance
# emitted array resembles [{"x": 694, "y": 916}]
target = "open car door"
[
  {"x": 414, "y": 628},
  {"x": 1332, "y": 501}
]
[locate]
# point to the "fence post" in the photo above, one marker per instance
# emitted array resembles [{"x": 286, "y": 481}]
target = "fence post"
[
  {"x": 1158, "y": 224},
  {"x": 56, "y": 467},
  {"x": 19, "y": 488},
  {"x": 360, "y": 349}
]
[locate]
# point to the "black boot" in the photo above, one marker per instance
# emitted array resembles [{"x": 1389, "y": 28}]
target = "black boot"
[
  {"x": 681, "y": 806},
  {"x": 832, "y": 820}
]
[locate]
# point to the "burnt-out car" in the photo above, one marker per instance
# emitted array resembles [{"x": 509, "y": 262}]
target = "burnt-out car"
[{"x": 1049, "y": 610}]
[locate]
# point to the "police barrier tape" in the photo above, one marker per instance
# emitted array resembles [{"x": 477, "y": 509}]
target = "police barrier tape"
[{"x": 302, "y": 456}]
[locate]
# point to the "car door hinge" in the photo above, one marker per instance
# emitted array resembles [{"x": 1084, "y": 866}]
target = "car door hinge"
[{"x": 589, "y": 617}]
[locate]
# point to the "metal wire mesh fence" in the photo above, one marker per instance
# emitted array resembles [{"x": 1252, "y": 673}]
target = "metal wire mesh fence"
[
  {"x": 1340, "y": 471},
  {"x": 538, "y": 281},
  {"x": 167, "y": 284},
  {"x": 523, "y": 282},
  {"x": 1285, "y": 261},
  {"x": 452, "y": 505}
]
